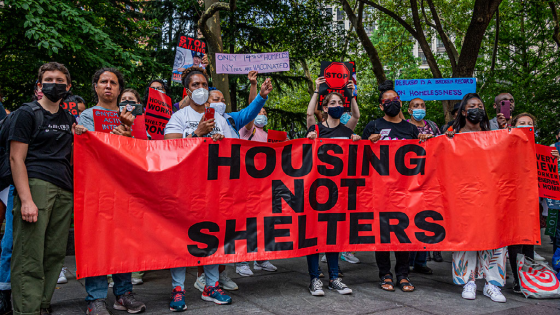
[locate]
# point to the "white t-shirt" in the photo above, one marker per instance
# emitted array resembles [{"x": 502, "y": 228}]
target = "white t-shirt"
[{"x": 186, "y": 120}]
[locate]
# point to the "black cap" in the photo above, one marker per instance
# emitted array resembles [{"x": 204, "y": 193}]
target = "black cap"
[{"x": 456, "y": 107}]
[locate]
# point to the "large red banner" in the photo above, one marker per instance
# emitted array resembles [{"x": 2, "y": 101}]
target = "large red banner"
[{"x": 146, "y": 205}]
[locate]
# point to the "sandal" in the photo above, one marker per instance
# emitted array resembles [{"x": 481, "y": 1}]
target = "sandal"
[
  {"x": 387, "y": 283},
  {"x": 406, "y": 283}
]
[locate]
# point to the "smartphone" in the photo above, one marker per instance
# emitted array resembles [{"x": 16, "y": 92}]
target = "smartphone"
[
  {"x": 506, "y": 109},
  {"x": 135, "y": 109},
  {"x": 209, "y": 113}
]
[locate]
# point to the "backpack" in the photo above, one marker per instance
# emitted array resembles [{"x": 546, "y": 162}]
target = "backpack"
[
  {"x": 433, "y": 126},
  {"x": 5, "y": 169}
]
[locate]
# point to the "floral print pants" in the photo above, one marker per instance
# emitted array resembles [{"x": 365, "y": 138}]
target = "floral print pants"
[{"x": 484, "y": 264}]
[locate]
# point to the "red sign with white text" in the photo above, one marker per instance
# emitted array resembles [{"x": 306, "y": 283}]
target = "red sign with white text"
[{"x": 158, "y": 112}]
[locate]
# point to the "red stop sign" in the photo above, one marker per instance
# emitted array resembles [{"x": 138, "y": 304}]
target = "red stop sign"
[{"x": 336, "y": 75}]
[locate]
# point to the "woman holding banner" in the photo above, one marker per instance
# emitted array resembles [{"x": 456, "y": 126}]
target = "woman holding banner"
[
  {"x": 333, "y": 104},
  {"x": 484, "y": 264},
  {"x": 191, "y": 122}
]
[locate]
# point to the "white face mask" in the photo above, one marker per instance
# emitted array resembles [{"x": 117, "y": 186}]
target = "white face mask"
[
  {"x": 199, "y": 96},
  {"x": 261, "y": 121},
  {"x": 219, "y": 107}
]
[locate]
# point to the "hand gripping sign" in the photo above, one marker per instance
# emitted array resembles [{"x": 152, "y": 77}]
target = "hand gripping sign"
[{"x": 337, "y": 75}]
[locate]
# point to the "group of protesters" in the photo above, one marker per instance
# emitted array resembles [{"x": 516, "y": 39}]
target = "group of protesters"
[{"x": 39, "y": 202}]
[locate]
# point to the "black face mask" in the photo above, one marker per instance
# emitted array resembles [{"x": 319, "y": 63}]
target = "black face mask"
[
  {"x": 475, "y": 115},
  {"x": 54, "y": 91},
  {"x": 392, "y": 108}
]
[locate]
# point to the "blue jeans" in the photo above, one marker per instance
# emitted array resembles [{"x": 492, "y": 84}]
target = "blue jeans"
[
  {"x": 96, "y": 287},
  {"x": 313, "y": 265},
  {"x": 211, "y": 273},
  {"x": 418, "y": 259},
  {"x": 7, "y": 244}
]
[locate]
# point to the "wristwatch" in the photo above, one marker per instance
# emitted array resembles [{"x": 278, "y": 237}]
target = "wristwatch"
[{"x": 194, "y": 135}]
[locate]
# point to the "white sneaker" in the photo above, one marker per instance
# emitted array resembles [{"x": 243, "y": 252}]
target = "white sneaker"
[
  {"x": 266, "y": 266},
  {"x": 494, "y": 293},
  {"x": 539, "y": 257},
  {"x": 349, "y": 257},
  {"x": 243, "y": 270},
  {"x": 324, "y": 258},
  {"x": 316, "y": 287},
  {"x": 62, "y": 277},
  {"x": 200, "y": 283},
  {"x": 226, "y": 283},
  {"x": 137, "y": 281},
  {"x": 469, "y": 290}
]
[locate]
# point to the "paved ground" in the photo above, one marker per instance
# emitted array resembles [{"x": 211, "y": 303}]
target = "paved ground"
[{"x": 285, "y": 292}]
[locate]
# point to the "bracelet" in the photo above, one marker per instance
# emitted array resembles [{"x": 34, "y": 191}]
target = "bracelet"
[
  {"x": 315, "y": 92},
  {"x": 194, "y": 135}
]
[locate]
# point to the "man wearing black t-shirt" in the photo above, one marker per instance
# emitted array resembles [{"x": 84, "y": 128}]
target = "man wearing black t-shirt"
[{"x": 40, "y": 159}]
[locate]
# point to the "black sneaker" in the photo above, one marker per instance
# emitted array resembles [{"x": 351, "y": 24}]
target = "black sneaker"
[
  {"x": 437, "y": 257},
  {"x": 340, "y": 287},
  {"x": 5, "y": 302},
  {"x": 423, "y": 269},
  {"x": 516, "y": 287},
  {"x": 127, "y": 302},
  {"x": 97, "y": 307},
  {"x": 316, "y": 287}
]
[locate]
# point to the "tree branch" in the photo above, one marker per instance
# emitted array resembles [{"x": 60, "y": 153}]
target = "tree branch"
[
  {"x": 421, "y": 38},
  {"x": 392, "y": 14},
  {"x": 556, "y": 35},
  {"x": 494, "y": 52},
  {"x": 447, "y": 43},
  {"x": 207, "y": 14},
  {"x": 430, "y": 24},
  {"x": 365, "y": 40},
  {"x": 347, "y": 39}
]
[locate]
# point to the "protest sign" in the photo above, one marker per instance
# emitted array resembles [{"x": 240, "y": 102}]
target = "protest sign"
[
  {"x": 158, "y": 112},
  {"x": 336, "y": 76},
  {"x": 547, "y": 167},
  {"x": 244, "y": 63},
  {"x": 215, "y": 202},
  {"x": 189, "y": 52},
  {"x": 276, "y": 136},
  {"x": 71, "y": 107},
  {"x": 551, "y": 222},
  {"x": 105, "y": 120},
  {"x": 435, "y": 89}
]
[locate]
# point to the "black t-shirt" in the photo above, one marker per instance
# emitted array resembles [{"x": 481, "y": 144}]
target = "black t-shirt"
[
  {"x": 391, "y": 131},
  {"x": 49, "y": 156},
  {"x": 338, "y": 132}
]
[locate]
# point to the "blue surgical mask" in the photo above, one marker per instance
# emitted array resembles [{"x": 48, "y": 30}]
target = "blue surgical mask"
[
  {"x": 336, "y": 112},
  {"x": 261, "y": 121},
  {"x": 418, "y": 114},
  {"x": 345, "y": 118},
  {"x": 524, "y": 126}
]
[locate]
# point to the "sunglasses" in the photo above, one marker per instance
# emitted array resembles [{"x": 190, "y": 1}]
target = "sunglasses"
[{"x": 389, "y": 100}]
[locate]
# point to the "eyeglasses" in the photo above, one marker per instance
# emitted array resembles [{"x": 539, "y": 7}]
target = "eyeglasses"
[{"x": 389, "y": 100}]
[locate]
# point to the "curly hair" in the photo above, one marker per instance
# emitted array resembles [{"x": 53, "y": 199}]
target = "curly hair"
[
  {"x": 190, "y": 72},
  {"x": 95, "y": 80},
  {"x": 385, "y": 87}
]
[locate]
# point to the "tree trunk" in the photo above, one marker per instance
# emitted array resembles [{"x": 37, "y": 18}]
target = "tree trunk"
[
  {"x": 556, "y": 35},
  {"x": 364, "y": 39},
  {"x": 483, "y": 12},
  {"x": 213, "y": 34}
]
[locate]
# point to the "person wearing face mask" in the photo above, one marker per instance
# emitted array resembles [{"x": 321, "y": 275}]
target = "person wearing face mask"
[
  {"x": 190, "y": 122},
  {"x": 159, "y": 85},
  {"x": 471, "y": 265},
  {"x": 40, "y": 139},
  {"x": 333, "y": 104},
  {"x": 417, "y": 111},
  {"x": 520, "y": 121},
  {"x": 237, "y": 120},
  {"x": 392, "y": 127},
  {"x": 348, "y": 119}
]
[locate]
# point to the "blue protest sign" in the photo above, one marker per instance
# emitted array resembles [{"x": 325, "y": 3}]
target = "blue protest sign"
[
  {"x": 435, "y": 89},
  {"x": 553, "y": 204}
]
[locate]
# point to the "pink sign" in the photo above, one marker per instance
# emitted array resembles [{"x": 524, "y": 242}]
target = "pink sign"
[{"x": 243, "y": 63}]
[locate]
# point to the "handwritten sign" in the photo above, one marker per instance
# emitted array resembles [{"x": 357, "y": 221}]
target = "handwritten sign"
[
  {"x": 547, "y": 167},
  {"x": 276, "y": 136},
  {"x": 158, "y": 113},
  {"x": 435, "y": 89},
  {"x": 243, "y": 63}
]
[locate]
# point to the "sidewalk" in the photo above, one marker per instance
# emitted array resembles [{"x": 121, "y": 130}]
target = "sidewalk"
[{"x": 285, "y": 292}]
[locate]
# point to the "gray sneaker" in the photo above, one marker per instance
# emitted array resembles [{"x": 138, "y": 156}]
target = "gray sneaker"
[
  {"x": 127, "y": 302},
  {"x": 97, "y": 307}
]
